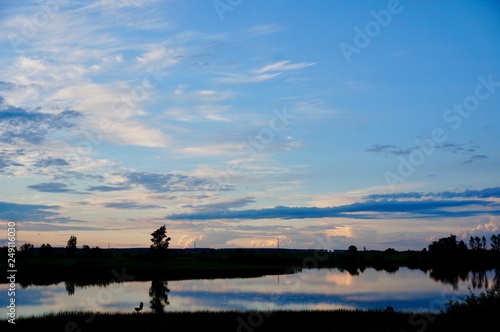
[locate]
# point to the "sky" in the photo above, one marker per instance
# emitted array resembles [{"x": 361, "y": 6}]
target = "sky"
[{"x": 238, "y": 123}]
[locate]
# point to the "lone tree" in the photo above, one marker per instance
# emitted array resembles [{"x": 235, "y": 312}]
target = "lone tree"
[
  {"x": 71, "y": 246},
  {"x": 160, "y": 242}
]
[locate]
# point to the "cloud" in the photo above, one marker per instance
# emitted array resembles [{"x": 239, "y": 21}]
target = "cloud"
[
  {"x": 284, "y": 65},
  {"x": 241, "y": 79},
  {"x": 156, "y": 182},
  {"x": 475, "y": 158},
  {"x": 263, "y": 29},
  {"x": 48, "y": 162},
  {"x": 388, "y": 149},
  {"x": 18, "y": 126},
  {"x": 131, "y": 206},
  {"x": 493, "y": 192},
  {"x": 223, "y": 206},
  {"x": 31, "y": 212},
  {"x": 455, "y": 148},
  {"x": 263, "y": 74},
  {"x": 108, "y": 188},
  {"x": 53, "y": 187},
  {"x": 386, "y": 209}
]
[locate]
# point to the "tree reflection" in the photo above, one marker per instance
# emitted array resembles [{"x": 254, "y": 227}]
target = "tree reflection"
[
  {"x": 70, "y": 287},
  {"x": 159, "y": 296},
  {"x": 478, "y": 278},
  {"x": 496, "y": 277}
]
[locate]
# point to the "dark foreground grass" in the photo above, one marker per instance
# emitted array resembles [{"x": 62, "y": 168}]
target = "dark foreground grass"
[{"x": 309, "y": 321}]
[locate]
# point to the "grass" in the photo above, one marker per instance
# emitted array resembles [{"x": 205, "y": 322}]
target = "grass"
[{"x": 337, "y": 320}]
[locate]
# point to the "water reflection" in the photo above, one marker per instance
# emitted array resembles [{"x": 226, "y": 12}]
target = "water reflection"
[
  {"x": 404, "y": 289},
  {"x": 159, "y": 296},
  {"x": 70, "y": 287},
  {"x": 477, "y": 279}
]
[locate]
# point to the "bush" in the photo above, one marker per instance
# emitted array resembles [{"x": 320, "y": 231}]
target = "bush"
[{"x": 488, "y": 300}]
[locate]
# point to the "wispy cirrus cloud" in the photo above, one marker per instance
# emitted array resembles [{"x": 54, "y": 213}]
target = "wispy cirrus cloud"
[
  {"x": 264, "y": 73},
  {"x": 264, "y": 29},
  {"x": 395, "y": 150},
  {"x": 245, "y": 78},
  {"x": 284, "y": 65},
  {"x": 475, "y": 158},
  {"x": 128, "y": 205}
]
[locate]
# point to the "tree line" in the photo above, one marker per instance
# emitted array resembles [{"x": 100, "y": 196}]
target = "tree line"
[
  {"x": 450, "y": 245},
  {"x": 160, "y": 243}
]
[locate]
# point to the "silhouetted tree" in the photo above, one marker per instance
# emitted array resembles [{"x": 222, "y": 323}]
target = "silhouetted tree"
[
  {"x": 27, "y": 249},
  {"x": 444, "y": 246},
  {"x": 46, "y": 250},
  {"x": 71, "y": 246},
  {"x": 91, "y": 252},
  {"x": 495, "y": 242},
  {"x": 86, "y": 250},
  {"x": 159, "y": 297},
  {"x": 160, "y": 242},
  {"x": 476, "y": 243},
  {"x": 390, "y": 251},
  {"x": 462, "y": 247},
  {"x": 352, "y": 249}
]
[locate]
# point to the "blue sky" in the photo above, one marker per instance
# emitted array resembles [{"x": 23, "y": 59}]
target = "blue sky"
[{"x": 235, "y": 123}]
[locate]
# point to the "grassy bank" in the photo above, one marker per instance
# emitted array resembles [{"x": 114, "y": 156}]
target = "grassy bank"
[{"x": 338, "y": 320}]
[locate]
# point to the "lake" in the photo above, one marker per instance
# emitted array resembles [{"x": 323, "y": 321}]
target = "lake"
[{"x": 314, "y": 289}]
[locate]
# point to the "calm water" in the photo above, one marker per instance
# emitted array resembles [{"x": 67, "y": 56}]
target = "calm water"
[{"x": 404, "y": 289}]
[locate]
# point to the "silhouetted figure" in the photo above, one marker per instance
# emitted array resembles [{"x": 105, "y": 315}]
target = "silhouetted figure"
[
  {"x": 389, "y": 309},
  {"x": 141, "y": 305}
]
